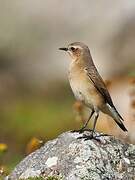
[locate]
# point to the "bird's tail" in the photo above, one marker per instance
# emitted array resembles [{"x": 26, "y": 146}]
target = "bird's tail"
[{"x": 117, "y": 117}]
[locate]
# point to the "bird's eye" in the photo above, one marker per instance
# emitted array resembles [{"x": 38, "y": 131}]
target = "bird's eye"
[{"x": 72, "y": 48}]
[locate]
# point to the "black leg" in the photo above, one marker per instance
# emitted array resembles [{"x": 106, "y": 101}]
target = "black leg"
[
  {"x": 85, "y": 124},
  {"x": 95, "y": 122},
  {"x": 86, "y": 137}
]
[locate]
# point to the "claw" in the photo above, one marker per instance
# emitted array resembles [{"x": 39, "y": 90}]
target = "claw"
[
  {"x": 74, "y": 131},
  {"x": 81, "y": 130},
  {"x": 101, "y": 135},
  {"x": 86, "y": 137}
]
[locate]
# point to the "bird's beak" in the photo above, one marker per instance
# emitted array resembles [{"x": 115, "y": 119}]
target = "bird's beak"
[{"x": 63, "y": 48}]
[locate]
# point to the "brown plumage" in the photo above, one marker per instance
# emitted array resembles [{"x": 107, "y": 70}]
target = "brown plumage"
[{"x": 88, "y": 86}]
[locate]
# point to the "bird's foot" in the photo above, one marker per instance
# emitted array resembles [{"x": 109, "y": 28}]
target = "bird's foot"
[
  {"x": 103, "y": 134},
  {"x": 91, "y": 136},
  {"x": 87, "y": 137},
  {"x": 80, "y": 130}
]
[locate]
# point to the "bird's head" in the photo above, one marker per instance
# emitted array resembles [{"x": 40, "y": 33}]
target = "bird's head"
[{"x": 76, "y": 50}]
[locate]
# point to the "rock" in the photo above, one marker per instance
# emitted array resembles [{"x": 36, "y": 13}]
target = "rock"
[{"x": 69, "y": 158}]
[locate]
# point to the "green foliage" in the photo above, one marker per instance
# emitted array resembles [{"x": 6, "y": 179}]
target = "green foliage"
[
  {"x": 25, "y": 118},
  {"x": 1, "y": 177}
]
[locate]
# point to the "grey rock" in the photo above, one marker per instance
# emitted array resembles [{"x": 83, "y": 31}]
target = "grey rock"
[{"x": 69, "y": 158}]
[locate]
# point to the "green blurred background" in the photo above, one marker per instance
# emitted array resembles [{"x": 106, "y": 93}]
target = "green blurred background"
[{"x": 35, "y": 97}]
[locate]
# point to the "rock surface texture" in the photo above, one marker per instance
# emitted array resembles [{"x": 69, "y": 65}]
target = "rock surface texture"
[{"x": 70, "y": 158}]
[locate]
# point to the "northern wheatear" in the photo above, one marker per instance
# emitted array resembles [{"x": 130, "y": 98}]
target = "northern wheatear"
[{"x": 88, "y": 86}]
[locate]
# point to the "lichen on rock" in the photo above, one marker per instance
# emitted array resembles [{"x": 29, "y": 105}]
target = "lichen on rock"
[{"x": 70, "y": 158}]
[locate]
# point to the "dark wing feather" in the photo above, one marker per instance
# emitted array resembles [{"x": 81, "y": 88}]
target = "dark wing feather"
[{"x": 99, "y": 84}]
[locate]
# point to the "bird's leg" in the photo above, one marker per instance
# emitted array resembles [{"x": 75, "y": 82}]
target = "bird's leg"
[
  {"x": 88, "y": 137},
  {"x": 85, "y": 124},
  {"x": 95, "y": 122}
]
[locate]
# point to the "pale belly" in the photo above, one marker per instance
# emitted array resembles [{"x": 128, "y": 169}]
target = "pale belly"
[{"x": 85, "y": 92}]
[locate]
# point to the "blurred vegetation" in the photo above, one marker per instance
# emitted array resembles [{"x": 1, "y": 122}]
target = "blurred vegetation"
[
  {"x": 35, "y": 102},
  {"x": 30, "y": 120}
]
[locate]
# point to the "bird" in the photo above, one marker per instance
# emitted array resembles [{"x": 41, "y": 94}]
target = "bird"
[{"x": 88, "y": 86}]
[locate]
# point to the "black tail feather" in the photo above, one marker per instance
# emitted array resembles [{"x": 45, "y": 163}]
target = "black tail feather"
[
  {"x": 121, "y": 125},
  {"x": 118, "y": 113},
  {"x": 117, "y": 117}
]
